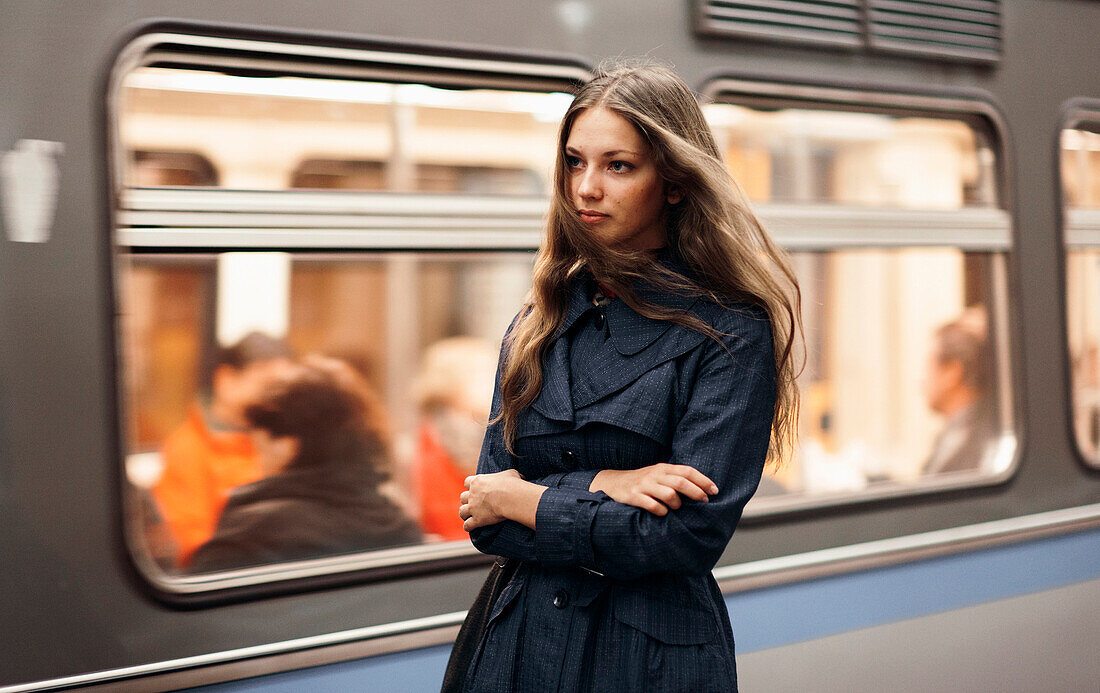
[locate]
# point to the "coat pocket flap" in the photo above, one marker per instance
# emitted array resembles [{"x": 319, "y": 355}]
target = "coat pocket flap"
[{"x": 672, "y": 618}]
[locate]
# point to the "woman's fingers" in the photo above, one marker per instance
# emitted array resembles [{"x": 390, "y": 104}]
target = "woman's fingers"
[
  {"x": 700, "y": 479},
  {"x": 659, "y": 494},
  {"x": 656, "y": 488},
  {"x": 688, "y": 488},
  {"x": 691, "y": 474},
  {"x": 664, "y": 494},
  {"x": 648, "y": 503}
]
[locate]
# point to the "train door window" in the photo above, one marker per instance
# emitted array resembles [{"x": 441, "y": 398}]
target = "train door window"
[
  {"x": 1080, "y": 176},
  {"x": 891, "y": 210},
  {"x": 318, "y": 250}
]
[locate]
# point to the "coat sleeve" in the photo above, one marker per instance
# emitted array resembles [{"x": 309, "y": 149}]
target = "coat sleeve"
[{"x": 724, "y": 432}]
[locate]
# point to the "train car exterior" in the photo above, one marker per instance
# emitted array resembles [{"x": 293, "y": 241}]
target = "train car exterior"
[{"x": 368, "y": 181}]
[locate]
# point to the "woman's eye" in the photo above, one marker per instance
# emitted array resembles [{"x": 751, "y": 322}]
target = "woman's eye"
[
  {"x": 620, "y": 166},
  {"x": 572, "y": 161}
]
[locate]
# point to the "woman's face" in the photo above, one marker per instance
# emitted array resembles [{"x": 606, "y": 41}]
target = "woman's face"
[{"x": 615, "y": 187}]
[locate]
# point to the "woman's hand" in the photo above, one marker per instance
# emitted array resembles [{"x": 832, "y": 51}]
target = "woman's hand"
[
  {"x": 493, "y": 498},
  {"x": 657, "y": 488}
]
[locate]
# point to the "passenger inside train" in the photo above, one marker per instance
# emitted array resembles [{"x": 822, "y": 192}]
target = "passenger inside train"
[
  {"x": 957, "y": 387},
  {"x": 453, "y": 392},
  {"x": 322, "y": 443},
  {"x": 210, "y": 453}
]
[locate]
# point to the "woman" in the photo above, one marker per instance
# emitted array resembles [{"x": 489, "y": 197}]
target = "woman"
[
  {"x": 321, "y": 442},
  {"x": 641, "y": 388}
]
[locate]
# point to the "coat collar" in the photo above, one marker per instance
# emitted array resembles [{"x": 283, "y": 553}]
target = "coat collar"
[
  {"x": 640, "y": 344},
  {"x": 631, "y": 332}
]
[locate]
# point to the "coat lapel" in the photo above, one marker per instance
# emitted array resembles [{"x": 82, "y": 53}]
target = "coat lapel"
[
  {"x": 554, "y": 400},
  {"x": 614, "y": 370}
]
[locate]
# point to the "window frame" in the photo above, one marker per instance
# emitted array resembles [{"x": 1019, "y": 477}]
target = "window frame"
[
  {"x": 994, "y": 231},
  {"x": 1078, "y": 230}
]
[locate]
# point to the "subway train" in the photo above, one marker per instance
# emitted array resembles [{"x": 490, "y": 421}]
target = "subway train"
[{"x": 180, "y": 182}]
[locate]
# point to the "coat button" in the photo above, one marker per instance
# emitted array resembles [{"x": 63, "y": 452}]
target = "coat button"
[
  {"x": 598, "y": 319},
  {"x": 569, "y": 457},
  {"x": 561, "y": 599}
]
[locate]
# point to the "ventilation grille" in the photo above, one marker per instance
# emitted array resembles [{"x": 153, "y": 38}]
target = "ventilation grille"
[
  {"x": 967, "y": 29},
  {"x": 834, "y": 22},
  {"x": 952, "y": 29}
]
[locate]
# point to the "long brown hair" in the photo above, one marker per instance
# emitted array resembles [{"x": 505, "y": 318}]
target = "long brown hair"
[{"x": 713, "y": 229}]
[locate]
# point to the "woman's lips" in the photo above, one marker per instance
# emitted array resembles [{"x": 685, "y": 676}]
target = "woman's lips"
[{"x": 590, "y": 216}]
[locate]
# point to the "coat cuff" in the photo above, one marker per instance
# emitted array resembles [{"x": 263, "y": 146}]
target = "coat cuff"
[
  {"x": 576, "y": 480},
  {"x": 563, "y": 527}
]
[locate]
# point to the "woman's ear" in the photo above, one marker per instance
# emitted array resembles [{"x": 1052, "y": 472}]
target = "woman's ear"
[{"x": 673, "y": 194}]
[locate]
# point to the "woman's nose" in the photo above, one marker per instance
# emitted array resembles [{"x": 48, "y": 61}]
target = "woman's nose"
[{"x": 588, "y": 186}]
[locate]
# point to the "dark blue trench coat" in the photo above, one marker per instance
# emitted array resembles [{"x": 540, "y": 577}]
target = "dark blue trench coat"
[{"x": 610, "y": 597}]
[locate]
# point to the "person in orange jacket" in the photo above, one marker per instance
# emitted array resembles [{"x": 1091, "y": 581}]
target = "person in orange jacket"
[
  {"x": 453, "y": 399},
  {"x": 210, "y": 453}
]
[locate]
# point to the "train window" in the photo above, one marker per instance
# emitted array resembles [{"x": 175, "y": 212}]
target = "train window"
[
  {"x": 1080, "y": 174},
  {"x": 318, "y": 252},
  {"x": 892, "y": 213}
]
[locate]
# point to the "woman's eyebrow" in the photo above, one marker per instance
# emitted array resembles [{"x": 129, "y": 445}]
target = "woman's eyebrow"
[{"x": 613, "y": 152}]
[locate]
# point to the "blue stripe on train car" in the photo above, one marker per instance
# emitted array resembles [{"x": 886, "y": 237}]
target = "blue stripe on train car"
[
  {"x": 788, "y": 614},
  {"x": 782, "y": 615}
]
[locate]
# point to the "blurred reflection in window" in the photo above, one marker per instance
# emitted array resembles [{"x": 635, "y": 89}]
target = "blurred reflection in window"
[
  {"x": 1080, "y": 163},
  {"x": 886, "y": 372},
  {"x": 274, "y": 133},
  {"x": 335, "y": 174},
  {"x": 210, "y": 453},
  {"x": 798, "y": 155},
  {"x": 453, "y": 393},
  {"x": 898, "y": 347},
  {"x": 172, "y": 169},
  {"x": 321, "y": 440},
  {"x": 957, "y": 387},
  {"x": 333, "y": 215},
  {"x": 422, "y": 329}
]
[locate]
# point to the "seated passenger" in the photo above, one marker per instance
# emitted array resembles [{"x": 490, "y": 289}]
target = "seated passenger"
[
  {"x": 323, "y": 450},
  {"x": 958, "y": 387},
  {"x": 453, "y": 393},
  {"x": 210, "y": 453}
]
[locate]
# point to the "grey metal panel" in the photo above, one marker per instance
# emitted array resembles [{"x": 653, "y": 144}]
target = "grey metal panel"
[
  {"x": 363, "y": 642},
  {"x": 1037, "y": 642}
]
